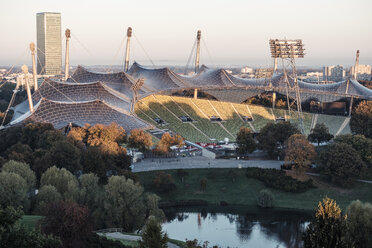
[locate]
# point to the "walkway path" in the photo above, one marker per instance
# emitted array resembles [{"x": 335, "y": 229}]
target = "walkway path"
[
  {"x": 201, "y": 162},
  {"x": 118, "y": 235}
]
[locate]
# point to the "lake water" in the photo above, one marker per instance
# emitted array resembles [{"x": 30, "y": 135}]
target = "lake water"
[{"x": 238, "y": 226}]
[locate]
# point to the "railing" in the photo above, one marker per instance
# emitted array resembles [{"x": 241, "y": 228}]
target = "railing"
[{"x": 109, "y": 230}]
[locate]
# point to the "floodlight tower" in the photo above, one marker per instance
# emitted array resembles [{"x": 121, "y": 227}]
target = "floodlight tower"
[
  {"x": 32, "y": 48},
  {"x": 356, "y": 65},
  {"x": 290, "y": 50},
  {"x": 67, "y": 55},
  {"x": 129, "y": 35},
  {"x": 197, "y": 59}
]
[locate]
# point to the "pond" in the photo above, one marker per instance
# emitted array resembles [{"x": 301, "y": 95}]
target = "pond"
[{"x": 238, "y": 226}]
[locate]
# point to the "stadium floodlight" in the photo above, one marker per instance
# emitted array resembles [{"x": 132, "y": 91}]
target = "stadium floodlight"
[
  {"x": 286, "y": 48},
  {"x": 290, "y": 50}
]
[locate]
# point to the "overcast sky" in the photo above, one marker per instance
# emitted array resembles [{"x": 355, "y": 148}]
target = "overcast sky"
[{"x": 235, "y": 32}]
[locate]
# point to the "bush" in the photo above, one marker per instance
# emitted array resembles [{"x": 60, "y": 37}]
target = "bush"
[
  {"x": 277, "y": 179},
  {"x": 265, "y": 199},
  {"x": 164, "y": 183}
]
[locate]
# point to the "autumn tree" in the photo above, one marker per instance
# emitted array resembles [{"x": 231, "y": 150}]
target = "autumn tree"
[
  {"x": 273, "y": 135},
  {"x": 320, "y": 133},
  {"x": 328, "y": 228},
  {"x": 361, "y": 119},
  {"x": 299, "y": 152},
  {"x": 359, "y": 224},
  {"x": 341, "y": 163},
  {"x": 360, "y": 143},
  {"x": 167, "y": 141},
  {"x": 140, "y": 139},
  {"x": 245, "y": 141},
  {"x": 153, "y": 236}
]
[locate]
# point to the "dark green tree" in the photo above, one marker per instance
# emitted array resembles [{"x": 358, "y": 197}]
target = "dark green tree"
[
  {"x": 65, "y": 155},
  {"x": 13, "y": 190},
  {"x": 328, "y": 228},
  {"x": 273, "y": 136},
  {"x": 341, "y": 163},
  {"x": 359, "y": 224},
  {"x": 245, "y": 141},
  {"x": 361, "y": 119},
  {"x": 360, "y": 143},
  {"x": 14, "y": 235},
  {"x": 153, "y": 236},
  {"x": 320, "y": 133}
]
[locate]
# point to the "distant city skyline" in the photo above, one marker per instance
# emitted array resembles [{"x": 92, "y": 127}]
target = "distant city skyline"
[{"x": 236, "y": 32}]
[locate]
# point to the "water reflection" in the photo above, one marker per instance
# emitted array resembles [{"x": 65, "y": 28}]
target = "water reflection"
[{"x": 238, "y": 226}]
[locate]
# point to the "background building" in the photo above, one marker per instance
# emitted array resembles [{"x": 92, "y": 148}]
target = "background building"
[
  {"x": 49, "y": 43},
  {"x": 364, "y": 72},
  {"x": 334, "y": 73}
]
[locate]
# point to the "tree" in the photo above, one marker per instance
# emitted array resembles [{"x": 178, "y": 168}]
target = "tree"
[
  {"x": 320, "y": 133},
  {"x": 90, "y": 191},
  {"x": 69, "y": 221},
  {"x": 14, "y": 235},
  {"x": 140, "y": 139},
  {"x": 164, "y": 182},
  {"x": 203, "y": 184},
  {"x": 341, "y": 163},
  {"x": 167, "y": 141},
  {"x": 265, "y": 199},
  {"x": 13, "y": 189},
  {"x": 360, "y": 143},
  {"x": 328, "y": 228},
  {"x": 125, "y": 204},
  {"x": 245, "y": 141},
  {"x": 100, "y": 134},
  {"x": 23, "y": 170},
  {"x": 65, "y": 155},
  {"x": 19, "y": 152},
  {"x": 62, "y": 180},
  {"x": 273, "y": 135},
  {"x": 299, "y": 152},
  {"x": 46, "y": 195},
  {"x": 361, "y": 119},
  {"x": 359, "y": 224},
  {"x": 153, "y": 236}
]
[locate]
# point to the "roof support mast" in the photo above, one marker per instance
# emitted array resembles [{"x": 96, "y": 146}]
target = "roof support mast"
[
  {"x": 197, "y": 59},
  {"x": 25, "y": 76},
  {"x": 129, "y": 35},
  {"x": 355, "y": 74},
  {"x": 67, "y": 55},
  {"x": 67, "y": 58},
  {"x": 32, "y": 48}
]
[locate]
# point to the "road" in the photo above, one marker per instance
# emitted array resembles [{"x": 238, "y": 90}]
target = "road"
[
  {"x": 118, "y": 235},
  {"x": 201, "y": 162}
]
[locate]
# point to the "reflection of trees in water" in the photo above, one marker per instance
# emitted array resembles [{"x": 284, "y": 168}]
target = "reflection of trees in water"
[
  {"x": 172, "y": 215},
  {"x": 244, "y": 227}
]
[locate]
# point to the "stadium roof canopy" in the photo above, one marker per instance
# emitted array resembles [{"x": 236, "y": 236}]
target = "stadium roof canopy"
[{"x": 91, "y": 97}]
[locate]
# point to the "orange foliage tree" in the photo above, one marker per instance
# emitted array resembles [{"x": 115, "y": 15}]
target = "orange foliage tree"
[{"x": 299, "y": 152}]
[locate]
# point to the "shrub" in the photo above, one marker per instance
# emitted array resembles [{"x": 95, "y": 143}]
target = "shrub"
[
  {"x": 164, "y": 182},
  {"x": 265, "y": 199},
  {"x": 279, "y": 180},
  {"x": 203, "y": 183}
]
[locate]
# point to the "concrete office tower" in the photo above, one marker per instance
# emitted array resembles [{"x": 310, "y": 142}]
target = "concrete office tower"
[{"x": 49, "y": 45}]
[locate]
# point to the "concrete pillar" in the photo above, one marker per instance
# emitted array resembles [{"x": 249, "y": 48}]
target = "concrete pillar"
[
  {"x": 275, "y": 64},
  {"x": 351, "y": 105},
  {"x": 67, "y": 59},
  {"x": 32, "y": 48},
  {"x": 129, "y": 35},
  {"x": 274, "y": 98},
  {"x": 25, "y": 73},
  {"x": 195, "y": 93},
  {"x": 356, "y": 65}
]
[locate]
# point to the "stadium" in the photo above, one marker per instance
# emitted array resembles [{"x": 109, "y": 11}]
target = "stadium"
[{"x": 153, "y": 98}]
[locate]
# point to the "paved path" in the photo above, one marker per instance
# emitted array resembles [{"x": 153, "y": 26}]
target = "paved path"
[
  {"x": 118, "y": 235},
  {"x": 201, "y": 162}
]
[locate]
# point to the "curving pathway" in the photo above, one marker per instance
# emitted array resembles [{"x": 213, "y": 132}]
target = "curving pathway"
[{"x": 118, "y": 235}]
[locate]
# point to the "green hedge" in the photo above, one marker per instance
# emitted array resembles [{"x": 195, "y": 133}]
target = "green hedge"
[{"x": 277, "y": 179}]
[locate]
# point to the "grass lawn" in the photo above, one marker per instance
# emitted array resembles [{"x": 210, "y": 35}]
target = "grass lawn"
[
  {"x": 30, "y": 220},
  {"x": 243, "y": 191}
]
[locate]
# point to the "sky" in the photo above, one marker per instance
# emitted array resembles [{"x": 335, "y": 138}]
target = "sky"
[{"x": 235, "y": 32}]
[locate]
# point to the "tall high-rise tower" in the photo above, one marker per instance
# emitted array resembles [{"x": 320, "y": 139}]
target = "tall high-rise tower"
[{"x": 49, "y": 44}]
